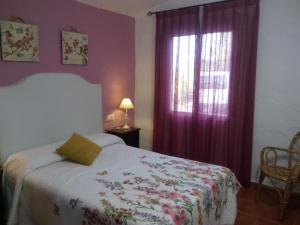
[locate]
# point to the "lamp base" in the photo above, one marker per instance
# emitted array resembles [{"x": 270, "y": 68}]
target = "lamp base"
[{"x": 126, "y": 127}]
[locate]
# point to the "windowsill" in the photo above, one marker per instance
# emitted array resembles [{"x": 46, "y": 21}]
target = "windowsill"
[{"x": 190, "y": 114}]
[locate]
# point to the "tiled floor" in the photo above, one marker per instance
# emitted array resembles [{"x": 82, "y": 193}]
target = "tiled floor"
[{"x": 264, "y": 211}]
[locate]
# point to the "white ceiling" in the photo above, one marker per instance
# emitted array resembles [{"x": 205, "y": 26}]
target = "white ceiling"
[
  {"x": 135, "y": 8},
  {"x": 126, "y": 7}
]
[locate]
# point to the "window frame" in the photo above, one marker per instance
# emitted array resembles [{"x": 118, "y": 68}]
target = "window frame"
[{"x": 205, "y": 105}]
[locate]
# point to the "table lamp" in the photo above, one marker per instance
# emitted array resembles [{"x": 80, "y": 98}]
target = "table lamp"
[{"x": 126, "y": 104}]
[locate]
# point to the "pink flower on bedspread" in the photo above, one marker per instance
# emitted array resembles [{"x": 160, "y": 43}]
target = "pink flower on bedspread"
[
  {"x": 174, "y": 195},
  {"x": 178, "y": 214},
  {"x": 214, "y": 188},
  {"x": 206, "y": 180},
  {"x": 185, "y": 198},
  {"x": 169, "y": 195},
  {"x": 166, "y": 208},
  {"x": 176, "y": 219}
]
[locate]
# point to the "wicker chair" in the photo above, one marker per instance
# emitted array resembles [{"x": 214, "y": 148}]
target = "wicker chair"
[{"x": 289, "y": 174}]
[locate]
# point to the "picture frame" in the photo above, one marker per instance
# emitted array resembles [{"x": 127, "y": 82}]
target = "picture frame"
[
  {"x": 19, "y": 42},
  {"x": 74, "y": 48}
]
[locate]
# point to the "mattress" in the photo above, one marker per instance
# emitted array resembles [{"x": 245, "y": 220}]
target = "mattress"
[{"x": 124, "y": 185}]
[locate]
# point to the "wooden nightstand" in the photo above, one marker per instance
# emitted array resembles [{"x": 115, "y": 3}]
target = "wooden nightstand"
[{"x": 131, "y": 137}]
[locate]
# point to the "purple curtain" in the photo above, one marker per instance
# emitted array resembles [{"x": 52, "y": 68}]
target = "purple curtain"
[{"x": 205, "y": 84}]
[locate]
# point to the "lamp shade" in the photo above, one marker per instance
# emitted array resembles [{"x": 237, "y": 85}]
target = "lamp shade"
[{"x": 126, "y": 104}]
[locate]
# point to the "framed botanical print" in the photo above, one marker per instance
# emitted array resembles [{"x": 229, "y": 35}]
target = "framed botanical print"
[
  {"x": 19, "y": 42},
  {"x": 74, "y": 48}
]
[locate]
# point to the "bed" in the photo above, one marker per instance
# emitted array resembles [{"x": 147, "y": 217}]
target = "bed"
[{"x": 124, "y": 185}]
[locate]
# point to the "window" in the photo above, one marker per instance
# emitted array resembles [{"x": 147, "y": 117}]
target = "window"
[
  {"x": 183, "y": 73},
  {"x": 214, "y": 73}
]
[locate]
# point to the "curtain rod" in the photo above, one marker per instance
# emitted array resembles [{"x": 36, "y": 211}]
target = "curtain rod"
[{"x": 150, "y": 13}]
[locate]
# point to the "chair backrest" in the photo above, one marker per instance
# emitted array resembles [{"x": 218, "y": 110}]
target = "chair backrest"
[
  {"x": 295, "y": 147},
  {"x": 297, "y": 171}
]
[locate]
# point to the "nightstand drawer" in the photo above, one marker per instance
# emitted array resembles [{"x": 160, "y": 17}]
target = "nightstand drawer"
[{"x": 131, "y": 137}]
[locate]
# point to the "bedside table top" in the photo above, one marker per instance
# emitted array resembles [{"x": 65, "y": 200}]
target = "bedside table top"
[{"x": 122, "y": 131}]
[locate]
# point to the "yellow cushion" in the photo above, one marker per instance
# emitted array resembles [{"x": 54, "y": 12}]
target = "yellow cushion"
[{"x": 79, "y": 149}]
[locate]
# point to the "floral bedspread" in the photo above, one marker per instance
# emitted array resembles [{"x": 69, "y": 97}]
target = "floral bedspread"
[
  {"x": 160, "y": 190},
  {"x": 126, "y": 186}
]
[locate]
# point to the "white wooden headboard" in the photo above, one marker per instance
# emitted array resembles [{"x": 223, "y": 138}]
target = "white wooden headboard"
[{"x": 46, "y": 108}]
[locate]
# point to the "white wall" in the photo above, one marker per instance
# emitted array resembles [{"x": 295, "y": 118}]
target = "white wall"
[
  {"x": 144, "y": 78},
  {"x": 277, "y": 104}
]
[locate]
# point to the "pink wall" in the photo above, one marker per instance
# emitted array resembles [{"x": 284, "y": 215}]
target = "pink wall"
[{"x": 111, "y": 46}]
